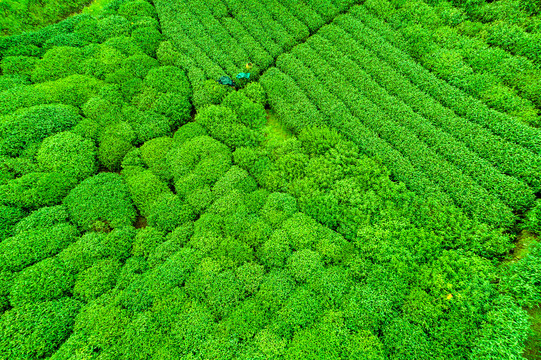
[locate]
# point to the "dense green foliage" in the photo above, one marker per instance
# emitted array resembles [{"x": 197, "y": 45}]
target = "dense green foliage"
[
  {"x": 357, "y": 198},
  {"x": 24, "y": 15}
]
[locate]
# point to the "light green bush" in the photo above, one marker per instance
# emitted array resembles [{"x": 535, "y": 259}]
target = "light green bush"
[{"x": 69, "y": 154}]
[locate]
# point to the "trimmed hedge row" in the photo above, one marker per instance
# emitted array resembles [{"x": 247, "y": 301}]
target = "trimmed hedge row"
[
  {"x": 477, "y": 138},
  {"x": 339, "y": 117}
]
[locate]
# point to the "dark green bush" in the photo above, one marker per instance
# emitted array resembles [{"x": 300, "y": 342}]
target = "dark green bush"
[
  {"x": 149, "y": 125},
  {"x": 84, "y": 252},
  {"x": 112, "y": 150},
  {"x": 6, "y": 279},
  {"x": 73, "y": 90},
  {"x": 148, "y": 38},
  {"x": 255, "y": 92},
  {"x": 11, "y": 81},
  {"x": 46, "y": 280},
  {"x": 531, "y": 6},
  {"x": 146, "y": 188},
  {"x": 113, "y": 26},
  {"x": 136, "y": 8},
  {"x": 196, "y": 165},
  {"x": 18, "y": 65},
  {"x": 278, "y": 208},
  {"x": 234, "y": 179},
  {"x": 126, "y": 45},
  {"x": 169, "y": 79},
  {"x": 154, "y": 155},
  {"x": 71, "y": 39},
  {"x": 36, "y": 189},
  {"x": 210, "y": 93},
  {"x": 88, "y": 30},
  {"x": 31, "y": 125},
  {"x": 44, "y": 218},
  {"x": 522, "y": 279},
  {"x": 175, "y": 241},
  {"x": 224, "y": 125},
  {"x": 96, "y": 280},
  {"x": 105, "y": 60},
  {"x": 115, "y": 142},
  {"x": 69, "y": 154},
  {"x": 175, "y": 107},
  {"x": 534, "y": 218},
  {"x": 250, "y": 113},
  {"x": 188, "y": 131},
  {"x": 34, "y": 331},
  {"x": 170, "y": 212},
  {"x": 140, "y": 65},
  {"x": 34, "y": 245},
  {"x": 146, "y": 241},
  {"x": 9, "y": 216},
  {"x": 103, "y": 198}
]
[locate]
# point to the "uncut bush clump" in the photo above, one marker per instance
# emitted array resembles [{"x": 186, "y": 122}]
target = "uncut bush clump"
[{"x": 360, "y": 196}]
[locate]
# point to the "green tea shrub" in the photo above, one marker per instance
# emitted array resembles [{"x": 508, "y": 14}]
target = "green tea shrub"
[
  {"x": 103, "y": 198},
  {"x": 96, "y": 280},
  {"x": 72, "y": 90},
  {"x": 235, "y": 179},
  {"x": 36, "y": 189},
  {"x": 44, "y": 218},
  {"x": 197, "y": 165},
  {"x": 188, "y": 131},
  {"x": 57, "y": 63},
  {"x": 34, "y": 245},
  {"x": 18, "y": 65},
  {"x": 134, "y": 9},
  {"x": 69, "y": 154},
  {"x": 9, "y": 216},
  {"x": 534, "y": 218},
  {"x": 46, "y": 280},
  {"x": 113, "y": 26},
  {"x": 146, "y": 188},
  {"x": 31, "y": 125},
  {"x": 168, "y": 79},
  {"x": 140, "y": 65},
  {"x": 170, "y": 212},
  {"x": 154, "y": 155},
  {"x": 146, "y": 241},
  {"x": 278, "y": 208},
  {"x": 35, "y": 331},
  {"x": 126, "y": 45},
  {"x": 223, "y": 124},
  {"x": 148, "y": 38}
]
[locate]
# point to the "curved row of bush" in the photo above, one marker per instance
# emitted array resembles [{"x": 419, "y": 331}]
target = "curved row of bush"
[
  {"x": 515, "y": 71},
  {"x": 506, "y": 35},
  {"x": 497, "y": 150},
  {"x": 464, "y": 105},
  {"x": 479, "y": 140},
  {"x": 324, "y": 58},
  {"x": 414, "y": 38}
]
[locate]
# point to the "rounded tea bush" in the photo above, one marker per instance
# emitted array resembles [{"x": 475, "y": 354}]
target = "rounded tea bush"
[{"x": 103, "y": 198}]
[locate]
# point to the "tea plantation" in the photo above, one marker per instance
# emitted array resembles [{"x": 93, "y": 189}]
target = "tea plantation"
[{"x": 270, "y": 179}]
